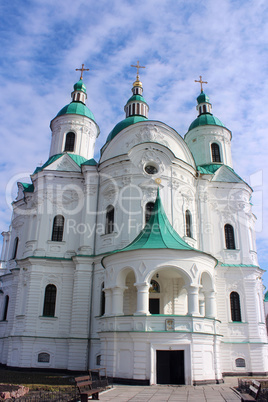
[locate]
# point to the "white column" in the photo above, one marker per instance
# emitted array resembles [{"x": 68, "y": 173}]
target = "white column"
[
  {"x": 142, "y": 298},
  {"x": 210, "y": 304},
  {"x": 193, "y": 303},
  {"x": 202, "y": 307},
  {"x": 108, "y": 301},
  {"x": 118, "y": 293}
]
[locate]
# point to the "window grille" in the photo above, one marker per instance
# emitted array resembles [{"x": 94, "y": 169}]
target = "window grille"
[
  {"x": 229, "y": 237},
  {"x": 57, "y": 231},
  {"x": 215, "y": 152},
  {"x": 69, "y": 142},
  {"x": 240, "y": 362},
  {"x": 43, "y": 358},
  {"x": 235, "y": 306}
]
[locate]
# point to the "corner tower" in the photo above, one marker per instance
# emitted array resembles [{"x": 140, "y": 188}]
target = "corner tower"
[
  {"x": 74, "y": 128},
  {"x": 207, "y": 137}
]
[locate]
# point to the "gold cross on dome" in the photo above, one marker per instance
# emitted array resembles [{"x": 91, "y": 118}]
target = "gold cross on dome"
[
  {"x": 82, "y": 70},
  {"x": 137, "y": 67},
  {"x": 201, "y": 82}
]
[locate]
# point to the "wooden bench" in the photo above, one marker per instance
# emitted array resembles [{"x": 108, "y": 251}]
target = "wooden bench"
[
  {"x": 253, "y": 393},
  {"x": 88, "y": 386}
]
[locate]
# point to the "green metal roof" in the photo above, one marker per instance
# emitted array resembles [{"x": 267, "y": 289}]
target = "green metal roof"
[
  {"x": 211, "y": 168},
  {"x": 158, "y": 233},
  {"x": 79, "y": 160},
  {"x": 202, "y": 98},
  {"x": 239, "y": 265},
  {"x": 28, "y": 187},
  {"x": 266, "y": 297},
  {"x": 137, "y": 98},
  {"x": 76, "y": 108},
  {"x": 205, "y": 119},
  {"x": 123, "y": 124},
  {"x": 80, "y": 86},
  {"x": 90, "y": 162}
]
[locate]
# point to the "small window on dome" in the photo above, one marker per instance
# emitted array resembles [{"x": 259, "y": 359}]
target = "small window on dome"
[
  {"x": 204, "y": 109},
  {"x": 151, "y": 169},
  {"x": 215, "y": 152},
  {"x": 69, "y": 142}
]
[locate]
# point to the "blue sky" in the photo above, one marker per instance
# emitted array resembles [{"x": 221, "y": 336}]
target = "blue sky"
[{"x": 224, "y": 41}]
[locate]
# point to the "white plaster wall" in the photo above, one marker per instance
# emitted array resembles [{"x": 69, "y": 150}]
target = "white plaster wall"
[
  {"x": 200, "y": 139},
  {"x": 86, "y": 132}
]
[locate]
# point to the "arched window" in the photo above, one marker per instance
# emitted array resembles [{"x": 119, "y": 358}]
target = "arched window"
[
  {"x": 188, "y": 223},
  {"x": 229, "y": 237},
  {"x": 5, "y": 308},
  {"x": 109, "y": 223},
  {"x": 148, "y": 211},
  {"x": 15, "y": 248},
  {"x": 102, "y": 306},
  {"x": 240, "y": 362},
  {"x": 69, "y": 142},
  {"x": 57, "y": 231},
  {"x": 50, "y": 301},
  {"x": 43, "y": 358},
  {"x": 204, "y": 109},
  {"x": 235, "y": 306},
  {"x": 215, "y": 152}
]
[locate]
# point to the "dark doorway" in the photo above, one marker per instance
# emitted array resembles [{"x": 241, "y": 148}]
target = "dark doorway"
[
  {"x": 154, "y": 306},
  {"x": 170, "y": 366}
]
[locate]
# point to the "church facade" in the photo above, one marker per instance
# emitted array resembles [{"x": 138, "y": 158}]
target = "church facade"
[{"x": 144, "y": 263}]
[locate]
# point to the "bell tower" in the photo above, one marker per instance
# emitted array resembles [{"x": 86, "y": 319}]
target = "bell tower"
[
  {"x": 74, "y": 128},
  {"x": 207, "y": 137}
]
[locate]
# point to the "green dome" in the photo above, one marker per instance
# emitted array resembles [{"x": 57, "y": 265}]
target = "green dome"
[
  {"x": 137, "y": 98},
  {"x": 204, "y": 120},
  {"x": 80, "y": 86},
  {"x": 123, "y": 124},
  {"x": 76, "y": 108},
  {"x": 202, "y": 98}
]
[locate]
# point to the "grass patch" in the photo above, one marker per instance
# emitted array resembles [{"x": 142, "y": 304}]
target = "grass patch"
[{"x": 38, "y": 380}]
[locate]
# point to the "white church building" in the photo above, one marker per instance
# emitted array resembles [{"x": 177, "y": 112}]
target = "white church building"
[{"x": 144, "y": 262}]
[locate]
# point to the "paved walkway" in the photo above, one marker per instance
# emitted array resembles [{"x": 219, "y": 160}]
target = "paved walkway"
[{"x": 162, "y": 393}]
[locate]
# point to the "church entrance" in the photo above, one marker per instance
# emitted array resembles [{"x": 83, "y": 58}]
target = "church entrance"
[
  {"x": 154, "y": 306},
  {"x": 170, "y": 367}
]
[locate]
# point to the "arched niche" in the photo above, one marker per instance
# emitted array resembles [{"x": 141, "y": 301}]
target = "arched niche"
[{"x": 172, "y": 296}]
